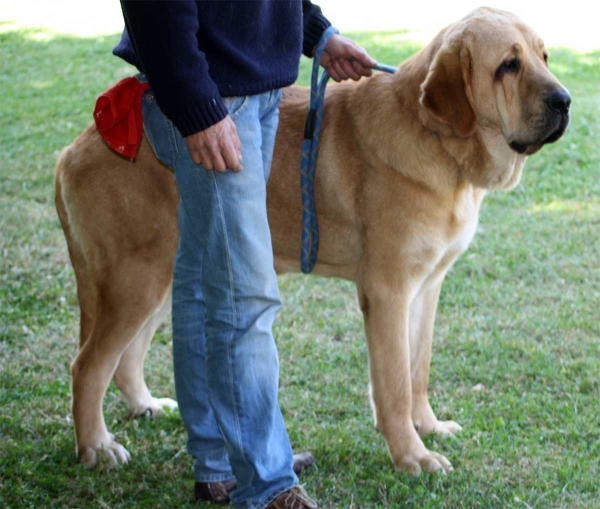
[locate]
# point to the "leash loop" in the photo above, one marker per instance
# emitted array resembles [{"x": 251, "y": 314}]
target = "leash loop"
[
  {"x": 310, "y": 150},
  {"x": 310, "y": 147}
]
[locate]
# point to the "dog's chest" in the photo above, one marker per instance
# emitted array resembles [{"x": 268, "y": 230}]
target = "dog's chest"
[
  {"x": 454, "y": 237},
  {"x": 465, "y": 236}
]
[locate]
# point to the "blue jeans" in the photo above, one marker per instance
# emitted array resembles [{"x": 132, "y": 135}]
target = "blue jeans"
[{"x": 225, "y": 297}]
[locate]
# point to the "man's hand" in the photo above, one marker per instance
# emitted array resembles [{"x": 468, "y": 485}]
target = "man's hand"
[
  {"x": 217, "y": 147},
  {"x": 344, "y": 59}
]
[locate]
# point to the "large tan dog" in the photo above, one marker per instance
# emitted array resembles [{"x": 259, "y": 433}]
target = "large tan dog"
[{"x": 405, "y": 162}]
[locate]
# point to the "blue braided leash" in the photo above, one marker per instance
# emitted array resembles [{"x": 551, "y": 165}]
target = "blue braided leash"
[{"x": 310, "y": 150}]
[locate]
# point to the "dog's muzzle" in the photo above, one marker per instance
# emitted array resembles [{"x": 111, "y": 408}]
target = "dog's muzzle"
[{"x": 557, "y": 118}]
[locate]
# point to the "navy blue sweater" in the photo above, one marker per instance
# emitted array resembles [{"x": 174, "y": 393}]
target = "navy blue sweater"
[{"x": 194, "y": 52}]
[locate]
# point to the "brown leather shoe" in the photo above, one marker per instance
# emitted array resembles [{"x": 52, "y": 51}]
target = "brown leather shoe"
[
  {"x": 296, "y": 498},
  {"x": 218, "y": 492},
  {"x": 215, "y": 492}
]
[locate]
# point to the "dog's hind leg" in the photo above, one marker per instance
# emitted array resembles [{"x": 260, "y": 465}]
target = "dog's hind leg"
[
  {"x": 421, "y": 322},
  {"x": 124, "y": 309},
  {"x": 129, "y": 376},
  {"x": 86, "y": 287}
]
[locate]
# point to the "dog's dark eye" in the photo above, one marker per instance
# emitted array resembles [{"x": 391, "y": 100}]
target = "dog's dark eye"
[
  {"x": 511, "y": 66},
  {"x": 546, "y": 59}
]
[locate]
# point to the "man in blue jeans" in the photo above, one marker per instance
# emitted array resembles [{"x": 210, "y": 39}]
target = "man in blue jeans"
[{"x": 216, "y": 69}]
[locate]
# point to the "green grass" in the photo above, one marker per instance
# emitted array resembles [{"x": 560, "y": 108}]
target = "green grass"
[{"x": 518, "y": 314}]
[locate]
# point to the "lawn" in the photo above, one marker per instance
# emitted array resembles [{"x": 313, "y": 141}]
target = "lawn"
[{"x": 516, "y": 351}]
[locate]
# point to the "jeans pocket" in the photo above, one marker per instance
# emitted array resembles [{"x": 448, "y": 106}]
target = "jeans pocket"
[
  {"x": 235, "y": 105},
  {"x": 159, "y": 130}
]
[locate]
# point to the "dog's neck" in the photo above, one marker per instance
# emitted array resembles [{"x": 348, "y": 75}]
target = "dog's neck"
[{"x": 484, "y": 160}]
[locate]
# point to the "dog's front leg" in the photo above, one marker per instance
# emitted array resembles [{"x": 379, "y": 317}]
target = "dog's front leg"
[
  {"x": 385, "y": 302},
  {"x": 421, "y": 324}
]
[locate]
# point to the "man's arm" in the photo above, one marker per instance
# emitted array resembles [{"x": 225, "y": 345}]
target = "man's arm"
[
  {"x": 314, "y": 24},
  {"x": 164, "y": 37},
  {"x": 343, "y": 58}
]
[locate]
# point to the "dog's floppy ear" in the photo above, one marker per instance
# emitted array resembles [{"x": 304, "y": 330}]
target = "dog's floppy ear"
[{"x": 446, "y": 91}]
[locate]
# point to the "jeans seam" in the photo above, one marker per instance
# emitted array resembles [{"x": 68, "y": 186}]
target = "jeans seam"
[
  {"x": 234, "y": 318},
  {"x": 271, "y": 498},
  {"x": 214, "y": 478},
  {"x": 172, "y": 139}
]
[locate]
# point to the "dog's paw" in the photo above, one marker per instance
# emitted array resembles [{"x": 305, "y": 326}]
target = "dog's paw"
[
  {"x": 426, "y": 422},
  {"x": 447, "y": 428},
  {"x": 154, "y": 407},
  {"x": 160, "y": 406},
  {"x": 107, "y": 454},
  {"x": 424, "y": 461}
]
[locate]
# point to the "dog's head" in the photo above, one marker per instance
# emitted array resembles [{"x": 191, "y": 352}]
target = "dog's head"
[{"x": 489, "y": 75}]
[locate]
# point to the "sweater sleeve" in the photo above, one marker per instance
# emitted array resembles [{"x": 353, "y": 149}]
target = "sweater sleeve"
[
  {"x": 165, "y": 41},
  {"x": 314, "y": 26}
]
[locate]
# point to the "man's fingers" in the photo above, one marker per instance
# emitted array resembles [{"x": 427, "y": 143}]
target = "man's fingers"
[
  {"x": 232, "y": 157},
  {"x": 349, "y": 70},
  {"x": 231, "y": 148},
  {"x": 326, "y": 63},
  {"x": 217, "y": 147},
  {"x": 205, "y": 159},
  {"x": 237, "y": 144},
  {"x": 337, "y": 67},
  {"x": 325, "y": 60},
  {"x": 193, "y": 150},
  {"x": 219, "y": 158},
  {"x": 334, "y": 75},
  {"x": 360, "y": 69},
  {"x": 358, "y": 53},
  {"x": 199, "y": 153},
  {"x": 218, "y": 163},
  {"x": 195, "y": 157}
]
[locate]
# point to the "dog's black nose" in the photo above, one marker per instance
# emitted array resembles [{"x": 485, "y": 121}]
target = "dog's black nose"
[{"x": 559, "y": 101}]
